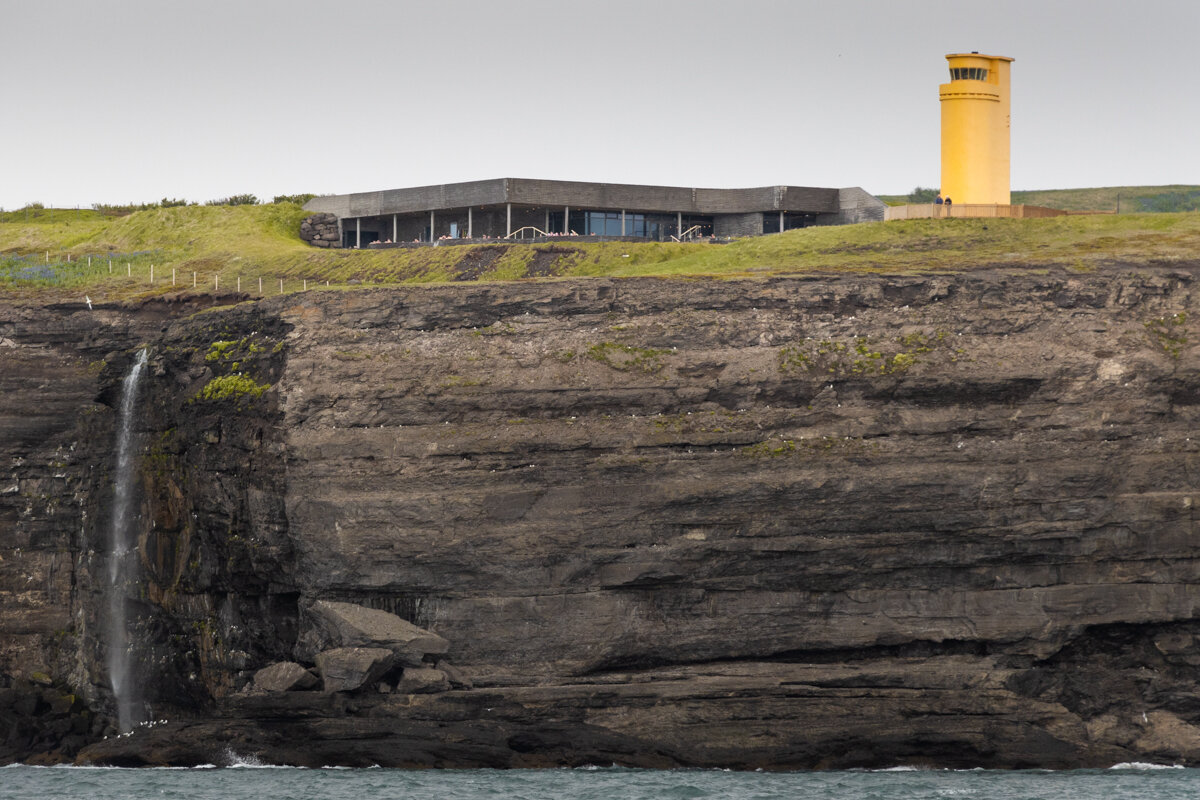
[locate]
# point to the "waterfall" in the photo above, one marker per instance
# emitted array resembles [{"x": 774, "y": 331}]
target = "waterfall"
[{"x": 123, "y": 557}]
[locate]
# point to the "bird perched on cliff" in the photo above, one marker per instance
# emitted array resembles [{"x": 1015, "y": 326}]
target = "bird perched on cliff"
[{"x": 88, "y": 300}]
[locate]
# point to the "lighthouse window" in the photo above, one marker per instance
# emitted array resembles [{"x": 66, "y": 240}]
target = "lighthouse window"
[{"x": 968, "y": 74}]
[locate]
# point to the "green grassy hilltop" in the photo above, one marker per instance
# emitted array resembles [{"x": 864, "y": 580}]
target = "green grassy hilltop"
[
  {"x": 47, "y": 251},
  {"x": 1131, "y": 199}
]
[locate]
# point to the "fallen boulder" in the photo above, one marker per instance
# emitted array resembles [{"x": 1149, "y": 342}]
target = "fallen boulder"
[
  {"x": 333, "y": 625},
  {"x": 284, "y": 676},
  {"x": 422, "y": 680},
  {"x": 345, "y": 669}
]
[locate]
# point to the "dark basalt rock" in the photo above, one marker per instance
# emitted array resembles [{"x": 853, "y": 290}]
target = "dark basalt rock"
[
  {"x": 792, "y": 523},
  {"x": 321, "y": 230}
]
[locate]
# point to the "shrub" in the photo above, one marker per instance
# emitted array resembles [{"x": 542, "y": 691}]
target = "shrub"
[
  {"x": 235, "y": 200},
  {"x": 922, "y": 194},
  {"x": 298, "y": 199}
]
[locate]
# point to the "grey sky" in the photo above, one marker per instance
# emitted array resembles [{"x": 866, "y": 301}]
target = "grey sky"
[{"x": 133, "y": 100}]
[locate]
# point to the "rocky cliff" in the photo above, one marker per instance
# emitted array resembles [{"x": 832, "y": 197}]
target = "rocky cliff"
[{"x": 807, "y": 522}]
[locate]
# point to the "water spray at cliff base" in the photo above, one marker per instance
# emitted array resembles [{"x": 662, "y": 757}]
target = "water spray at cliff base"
[{"x": 123, "y": 557}]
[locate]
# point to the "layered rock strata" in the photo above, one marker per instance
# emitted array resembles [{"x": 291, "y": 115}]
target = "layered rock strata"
[{"x": 809, "y": 522}]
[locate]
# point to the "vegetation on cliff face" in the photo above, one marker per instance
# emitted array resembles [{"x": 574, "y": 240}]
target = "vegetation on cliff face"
[
  {"x": 232, "y": 387},
  {"x": 257, "y": 249}
]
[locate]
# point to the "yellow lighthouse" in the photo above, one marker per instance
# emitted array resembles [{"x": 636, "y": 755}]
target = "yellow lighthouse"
[{"x": 975, "y": 129}]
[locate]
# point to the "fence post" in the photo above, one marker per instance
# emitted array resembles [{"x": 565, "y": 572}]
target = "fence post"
[
  {"x": 260, "y": 284},
  {"x": 152, "y": 273},
  {"x": 216, "y": 282},
  {"x": 128, "y": 269},
  {"x": 239, "y": 283},
  {"x": 281, "y": 285},
  {"x": 193, "y": 280},
  {"x": 172, "y": 276},
  {"x": 306, "y": 284}
]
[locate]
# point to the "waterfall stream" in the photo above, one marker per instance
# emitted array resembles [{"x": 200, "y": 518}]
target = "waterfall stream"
[{"x": 123, "y": 557}]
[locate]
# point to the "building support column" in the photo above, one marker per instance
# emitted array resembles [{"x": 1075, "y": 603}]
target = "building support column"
[
  {"x": 395, "y": 227},
  {"x": 507, "y": 220},
  {"x": 566, "y": 219},
  {"x": 432, "y": 221},
  {"x": 357, "y": 232},
  {"x": 470, "y": 223},
  {"x": 622, "y": 222},
  {"x": 679, "y": 225},
  {"x": 341, "y": 234},
  {"x": 781, "y": 222},
  {"x": 546, "y": 227}
]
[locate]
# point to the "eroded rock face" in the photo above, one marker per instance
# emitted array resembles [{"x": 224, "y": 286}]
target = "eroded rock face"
[{"x": 814, "y": 522}]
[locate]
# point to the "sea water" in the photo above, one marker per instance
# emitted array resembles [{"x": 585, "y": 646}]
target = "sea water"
[{"x": 287, "y": 783}]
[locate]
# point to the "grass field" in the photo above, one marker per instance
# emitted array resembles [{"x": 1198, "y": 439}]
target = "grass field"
[
  {"x": 1133, "y": 199},
  {"x": 48, "y": 253}
]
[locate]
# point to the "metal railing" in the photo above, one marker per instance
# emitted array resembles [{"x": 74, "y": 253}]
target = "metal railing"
[
  {"x": 536, "y": 232},
  {"x": 689, "y": 234}
]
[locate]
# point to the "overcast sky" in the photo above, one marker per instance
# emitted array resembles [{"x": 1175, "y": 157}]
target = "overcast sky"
[{"x": 119, "y": 101}]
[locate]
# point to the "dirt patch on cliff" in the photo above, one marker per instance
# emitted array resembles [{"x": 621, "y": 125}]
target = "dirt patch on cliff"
[
  {"x": 546, "y": 259},
  {"x": 477, "y": 262}
]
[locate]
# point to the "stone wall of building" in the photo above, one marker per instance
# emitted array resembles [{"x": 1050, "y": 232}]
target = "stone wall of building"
[
  {"x": 855, "y": 205},
  {"x": 750, "y": 224},
  {"x": 321, "y": 230}
]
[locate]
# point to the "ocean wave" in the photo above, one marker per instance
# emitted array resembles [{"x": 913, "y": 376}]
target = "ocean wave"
[
  {"x": 237, "y": 761},
  {"x": 1144, "y": 765}
]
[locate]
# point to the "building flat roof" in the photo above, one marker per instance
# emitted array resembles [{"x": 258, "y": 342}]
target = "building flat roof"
[{"x": 578, "y": 194}]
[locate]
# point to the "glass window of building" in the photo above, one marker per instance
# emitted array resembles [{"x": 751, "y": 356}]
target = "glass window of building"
[{"x": 968, "y": 74}]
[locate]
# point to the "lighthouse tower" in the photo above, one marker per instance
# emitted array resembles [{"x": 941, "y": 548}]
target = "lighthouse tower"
[{"x": 975, "y": 129}]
